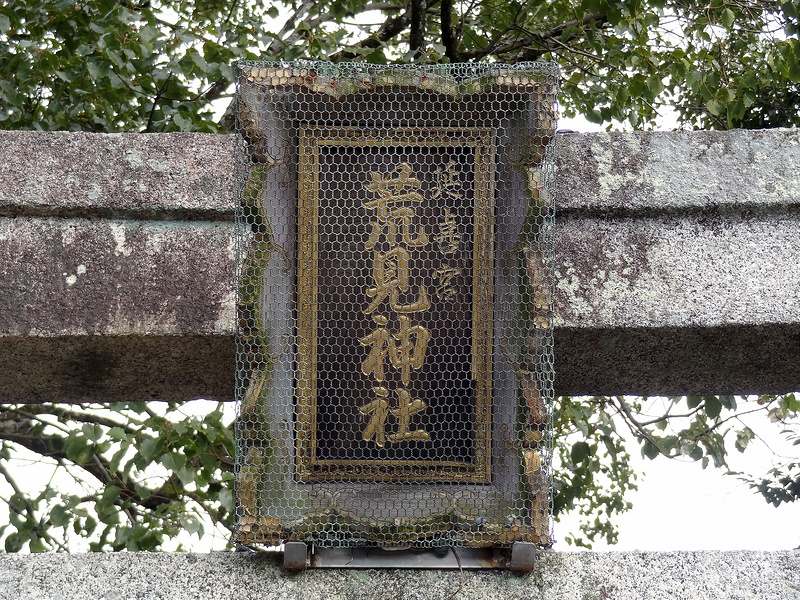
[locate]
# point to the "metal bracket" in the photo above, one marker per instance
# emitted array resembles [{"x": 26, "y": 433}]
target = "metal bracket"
[
  {"x": 523, "y": 556},
  {"x": 420, "y": 558},
  {"x": 295, "y": 556}
]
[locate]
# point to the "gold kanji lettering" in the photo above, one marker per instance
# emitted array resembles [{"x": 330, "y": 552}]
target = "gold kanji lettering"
[
  {"x": 397, "y": 221},
  {"x": 408, "y": 355},
  {"x": 401, "y": 184},
  {"x": 447, "y": 181},
  {"x": 406, "y": 408},
  {"x": 390, "y": 272},
  {"x": 379, "y": 409},
  {"x": 448, "y": 237},
  {"x": 391, "y": 276},
  {"x": 444, "y": 276},
  {"x": 380, "y": 342},
  {"x": 422, "y": 303},
  {"x": 406, "y": 348}
]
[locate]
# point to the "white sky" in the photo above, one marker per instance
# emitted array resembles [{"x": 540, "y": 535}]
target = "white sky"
[{"x": 680, "y": 506}]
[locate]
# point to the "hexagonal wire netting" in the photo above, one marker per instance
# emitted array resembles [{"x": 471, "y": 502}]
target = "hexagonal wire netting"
[{"x": 395, "y": 366}]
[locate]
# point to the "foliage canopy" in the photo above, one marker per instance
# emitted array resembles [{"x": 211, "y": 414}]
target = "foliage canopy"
[{"x": 151, "y": 65}]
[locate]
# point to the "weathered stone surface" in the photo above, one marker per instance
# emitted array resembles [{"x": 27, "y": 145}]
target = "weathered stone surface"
[
  {"x": 116, "y": 368},
  {"x": 687, "y": 171},
  {"x": 598, "y": 172},
  {"x": 676, "y": 262},
  {"x": 115, "y": 310},
  {"x": 757, "y": 359},
  {"x": 116, "y": 277},
  {"x": 557, "y": 576},
  {"x": 678, "y": 272},
  {"x": 676, "y": 265},
  {"x": 700, "y": 305},
  {"x": 176, "y": 175}
]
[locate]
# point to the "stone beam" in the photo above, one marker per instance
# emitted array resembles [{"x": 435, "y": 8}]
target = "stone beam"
[
  {"x": 676, "y": 266},
  {"x": 677, "y": 262},
  {"x": 556, "y": 576}
]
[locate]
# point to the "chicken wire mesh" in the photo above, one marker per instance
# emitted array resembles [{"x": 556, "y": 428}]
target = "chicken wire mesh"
[{"x": 395, "y": 365}]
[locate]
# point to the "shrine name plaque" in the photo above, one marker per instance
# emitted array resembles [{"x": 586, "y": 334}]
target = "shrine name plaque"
[
  {"x": 394, "y": 339},
  {"x": 395, "y": 304}
]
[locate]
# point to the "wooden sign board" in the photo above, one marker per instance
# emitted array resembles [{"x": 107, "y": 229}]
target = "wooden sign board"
[{"x": 395, "y": 353}]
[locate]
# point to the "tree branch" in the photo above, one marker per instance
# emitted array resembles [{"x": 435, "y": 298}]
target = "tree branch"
[
  {"x": 210, "y": 512},
  {"x": 155, "y": 103},
  {"x": 17, "y": 492},
  {"x": 28, "y": 508},
  {"x": 217, "y": 89},
  {"x": 67, "y": 415},
  {"x": 463, "y": 17},
  {"x": 478, "y": 54},
  {"x": 390, "y": 28},
  {"x": 52, "y": 447},
  {"x": 637, "y": 428},
  {"x": 542, "y": 39},
  {"x": 449, "y": 39},
  {"x": 279, "y": 45},
  {"x": 416, "y": 41}
]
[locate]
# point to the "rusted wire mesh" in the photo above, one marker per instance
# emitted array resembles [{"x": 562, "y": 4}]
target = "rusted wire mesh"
[{"x": 395, "y": 361}]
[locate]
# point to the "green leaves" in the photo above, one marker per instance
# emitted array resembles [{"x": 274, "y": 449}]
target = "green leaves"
[
  {"x": 743, "y": 438},
  {"x": 592, "y": 472},
  {"x": 782, "y": 483},
  {"x": 148, "y": 448},
  {"x": 98, "y": 66},
  {"x": 650, "y": 450},
  {"x": 700, "y": 428},
  {"x": 59, "y": 517},
  {"x": 713, "y": 406},
  {"x": 727, "y": 18},
  {"x": 16, "y": 542},
  {"x": 145, "y": 474},
  {"x": 693, "y": 430},
  {"x": 580, "y": 452}
]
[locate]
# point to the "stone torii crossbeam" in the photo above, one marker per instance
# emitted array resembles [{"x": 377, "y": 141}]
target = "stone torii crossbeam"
[{"x": 676, "y": 267}]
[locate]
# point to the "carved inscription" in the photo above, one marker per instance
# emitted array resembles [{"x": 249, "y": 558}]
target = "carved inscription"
[{"x": 394, "y": 304}]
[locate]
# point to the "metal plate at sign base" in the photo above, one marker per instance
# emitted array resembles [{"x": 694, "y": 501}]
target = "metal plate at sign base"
[
  {"x": 394, "y": 367},
  {"x": 295, "y": 556},
  {"x": 420, "y": 558}
]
